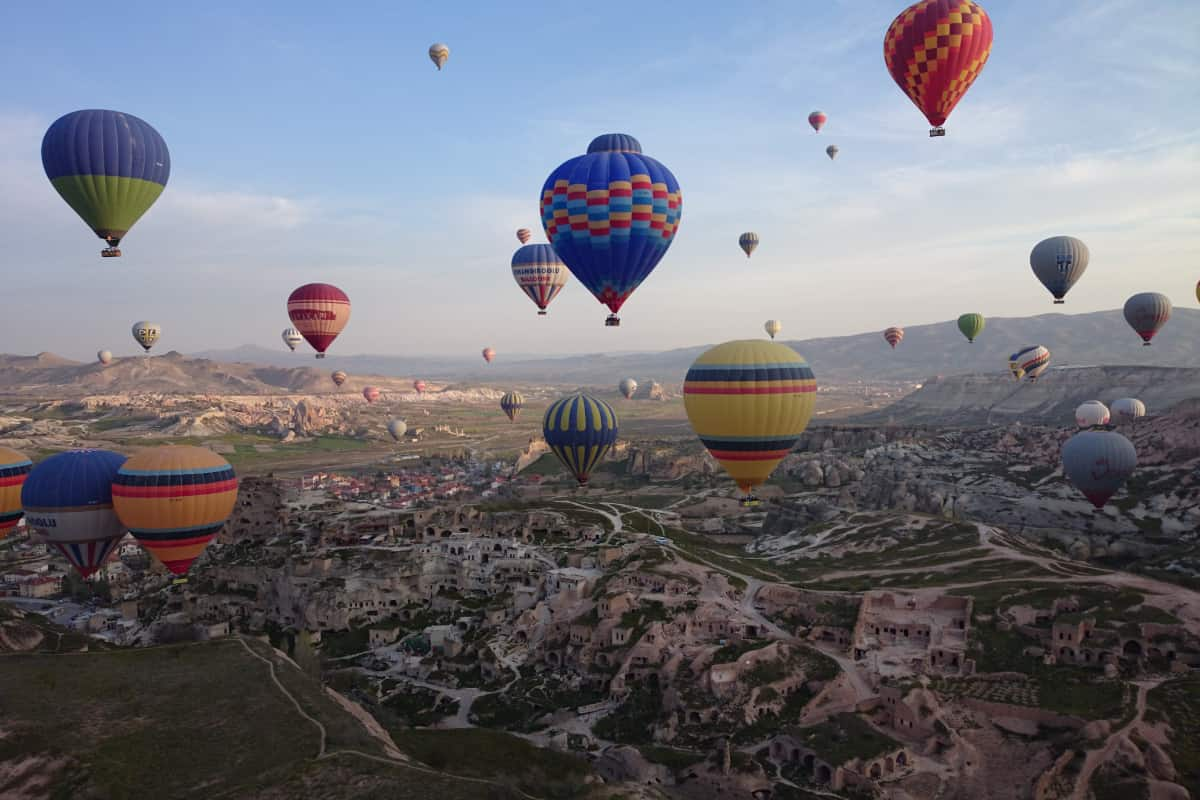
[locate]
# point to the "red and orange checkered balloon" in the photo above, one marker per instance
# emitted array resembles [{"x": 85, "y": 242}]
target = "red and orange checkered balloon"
[{"x": 934, "y": 50}]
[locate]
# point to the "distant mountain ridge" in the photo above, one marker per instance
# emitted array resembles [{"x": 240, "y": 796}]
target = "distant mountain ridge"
[{"x": 1100, "y": 337}]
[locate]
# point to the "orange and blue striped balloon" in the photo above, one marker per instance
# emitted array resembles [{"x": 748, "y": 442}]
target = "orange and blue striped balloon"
[
  {"x": 579, "y": 430},
  {"x": 175, "y": 499},
  {"x": 749, "y": 401},
  {"x": 14, "y": 468}
]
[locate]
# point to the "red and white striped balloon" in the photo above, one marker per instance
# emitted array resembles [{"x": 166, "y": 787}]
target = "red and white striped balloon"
[{"x": 894, "y": 336}]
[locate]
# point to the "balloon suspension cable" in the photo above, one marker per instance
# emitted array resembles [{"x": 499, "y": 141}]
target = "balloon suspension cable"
[
  {"x": 937, "y": 130},
  {"x": 613, "y": 321}
]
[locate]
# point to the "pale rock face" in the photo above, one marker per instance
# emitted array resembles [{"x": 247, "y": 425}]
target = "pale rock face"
[{"x": 1159, "y": 763}]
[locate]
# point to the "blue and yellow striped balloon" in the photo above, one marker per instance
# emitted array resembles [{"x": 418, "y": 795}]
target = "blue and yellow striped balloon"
[
  {"x": 579, "y": 430},
  {"x": 749, "y": 401},
  {"x": 511, "y": 404}
]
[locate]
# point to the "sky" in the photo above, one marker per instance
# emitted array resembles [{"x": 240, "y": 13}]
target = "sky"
[{"x": 309, "y": 144}]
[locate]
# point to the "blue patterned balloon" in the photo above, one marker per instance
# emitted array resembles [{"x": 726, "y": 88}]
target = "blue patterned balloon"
[{"x": 611, "y": 215}]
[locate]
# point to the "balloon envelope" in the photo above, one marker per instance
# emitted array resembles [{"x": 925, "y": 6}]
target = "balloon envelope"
[
  {"x": 611, "y": 215},
  {"x": 104, "y": 357},
  {"x": 540, "y": 274},
  {"x": 1098, "y": 463},
  {"x": 146, "y": 333},
  {"x": 817, "y": 119},
  {"x": 893, "y": 336},
  {"x": 320, "y": 312},
  {"x": 748, "y": 241},
  {"x": 1058, "y": 262},
  {"x": 488, "y": 354},
  {"x": 419, "y": 385},
  {"x": 338, "y": 377},
  {"x": 397, "y": 428},
  {"x": 579, "y": 430},
  {"x": 14, "y": 469},
  {"x": 511, "y": 404},
  {"x": 971, "y": 325},
  {"x": 1091, "y": 414},
  {"x": 371, "y": 393},
  {"x": 1146, "y": 313},
  {"x": 68, "y": 499},
  {"x": 174, "y": 499},
  {"x": 439, "y": 54},
  {"x": 934, "y": 50},
  {"x": 772, "y": 327},
  {"x": 109, "y": 166},
  {"x": 292, "y": 338},
  {"x": 749, "y": 401},
  {"x": 832, "y": 151},
  {"x": 1030, "y": 361},
  {"x": 524, "y": 235},
  {"x": 628, "y": 386},
  {"x": 1128, "y": 408}
]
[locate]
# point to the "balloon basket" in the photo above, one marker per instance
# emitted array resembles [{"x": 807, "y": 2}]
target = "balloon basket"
[
  {"x": 938, "y": 131},
  {"x": 320, "y": 355},
  {"x": 1145, "y": 344},
  {"x": 750, "y": 502},
  {"x": 1059, "y": 302},
  {"x": 613, "y": 321},
  {"x": 110, "y": 252},
  {"x": 179, "y": 581}
]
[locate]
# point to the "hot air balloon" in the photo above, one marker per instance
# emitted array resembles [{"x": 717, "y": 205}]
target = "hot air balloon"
[
  {"x": 397, "y": 428},
  {"x": 488, "y": 354},
  {"x": 524, "y": 235},
  {"x": 1098, "y": 463},
  {"x": 14, "y": 468},
  {"x": 438, "y": 54},
  {"x": 338, "y": 377},
  {"x": 1198, "y": 291},
  {"x": 1128, "y": 408},
  {"x": 320, "y": 312},
  {"x": 371, "y": 393},
  {"x": 971, "y": 325},
  {"x": 749, "y": 401},
  {"x": 1146, "y": 313},
  {"x": 1091, "y": 414},
  {"x": 291, "y": 337},
  {"x": 68, "y": 499},
  {"x": 934, "y": 50},
  {"x": 628, "y": 386},
  {"x": 1058, "y": 262},
  {"x": 104, "y": 357},
  {"x": 539, "y": 273},
  {"x": 110, "y": 167},
  {"x": 419, "y": 385},
  {"x": 748, "y": 241},
  {"x": 611, "y": 215},
  {"x": 146, "y": 333},
  {"x": 579, "y": 430},
  {"x": 1031, "y": 361},
  {"x": 174, "y": 499},
  {"x": 893, "y": 336},
  {"x": 817, "y": 120},
  {"x": 511, "y": 404},
  {"x": 772, "y": 327},
  {"x": 832, "y": 151}
]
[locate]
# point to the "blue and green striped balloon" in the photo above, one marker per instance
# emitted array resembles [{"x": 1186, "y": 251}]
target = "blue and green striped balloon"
[
  {"x": 579, "y": 430},
  {"x": 110, "y": 167}
]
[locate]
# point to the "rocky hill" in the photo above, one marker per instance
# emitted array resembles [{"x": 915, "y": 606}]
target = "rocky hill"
[
  {"x": 1100, "y": 337},
  {"x": 994, "y": 398}
]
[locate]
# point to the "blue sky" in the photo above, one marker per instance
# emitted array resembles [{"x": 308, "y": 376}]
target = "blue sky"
[{"x": 309, "y": 144}]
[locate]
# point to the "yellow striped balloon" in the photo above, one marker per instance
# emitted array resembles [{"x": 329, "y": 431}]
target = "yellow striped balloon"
[
  {"x": 749, "y": 401},
  {"x": 175, "y": 499},
  {"x": 579, "y": 430},
  {"x": 14, "y": 468}
]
